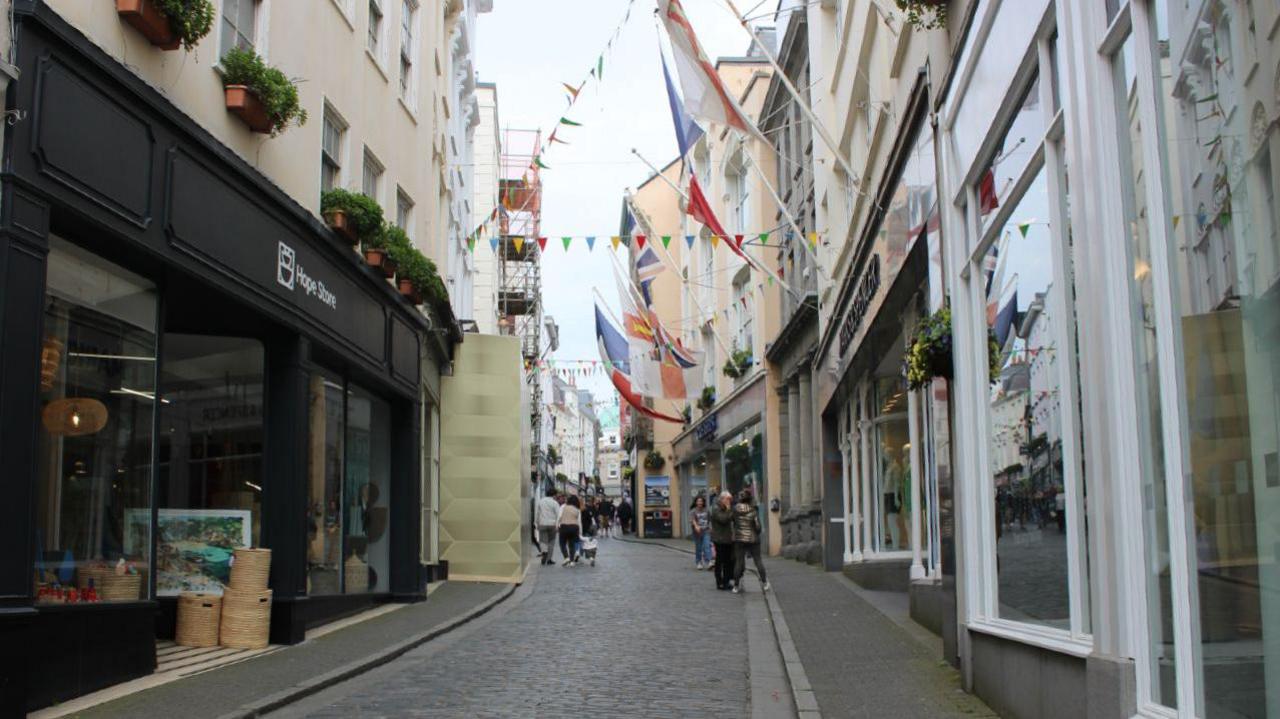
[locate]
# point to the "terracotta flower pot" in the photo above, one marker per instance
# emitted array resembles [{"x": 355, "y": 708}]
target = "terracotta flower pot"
[
  {"x": 408, "y": 290},
  {"x": 377, "y": 257},
  {"x": 338, "y": 221},
  {"x": 248, "y": 108},
  {"x": 147, "y": 19}
]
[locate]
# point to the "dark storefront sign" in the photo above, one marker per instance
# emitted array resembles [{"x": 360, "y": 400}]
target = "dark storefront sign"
[
  {"x": 868, "y": 286},
  {"x": 706, "y": 429}
]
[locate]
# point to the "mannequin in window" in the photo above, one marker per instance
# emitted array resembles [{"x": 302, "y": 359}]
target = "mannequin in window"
[{"x": 894, "y": 481}]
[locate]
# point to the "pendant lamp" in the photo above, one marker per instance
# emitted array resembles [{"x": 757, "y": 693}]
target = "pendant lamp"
[{"x": 74, "y": 416}]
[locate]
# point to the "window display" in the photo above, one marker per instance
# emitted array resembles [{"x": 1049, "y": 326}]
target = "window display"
[
  {"x": 324, "y": 470},
  {"x": 97, "y": 382},
  {"x": 366, "y": 491},
  {"x": 891, "y": 469}
]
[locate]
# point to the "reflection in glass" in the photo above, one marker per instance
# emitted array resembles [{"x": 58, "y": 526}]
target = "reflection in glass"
[
  {"x": 367, "y": 489},
  {"x": 211, "y": 441},
  {"x": 1220, "y": 150},
  {"x": 97, "y": 393},
  {"x": 891, "y": 476},
  {"x": 1025, "y": 415},
  {"x": 324, "y": 480},
  {"x": 1013, "y": 153}
]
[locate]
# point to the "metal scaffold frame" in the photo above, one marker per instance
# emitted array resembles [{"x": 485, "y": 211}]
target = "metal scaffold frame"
[{"x": 519, "y": 269}]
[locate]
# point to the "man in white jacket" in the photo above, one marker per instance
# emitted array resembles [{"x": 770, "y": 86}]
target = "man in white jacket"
[{"x": 546, "y": 516}]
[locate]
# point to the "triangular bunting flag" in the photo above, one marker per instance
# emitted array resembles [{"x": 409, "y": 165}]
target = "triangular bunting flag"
[
  {"x": 737, "y": 239},
  {"x": 591, "y": 243},
  {"x": 715, "y": 240},
  {"x": 1176, "y": 219},
  {"x": 813, "y": 240},
  {"x": 518, "y": 242},
  {"x": 639, "y": 242},
  {"x": 688, "y": 240},
  {"x": 570, "y": 123},
  {"x": 781, "y": 276},
  {"x": 566, "y": 241},
  {"x": 666, "y": 241},
  {"x": 471, "y": 244},
  {"x": 1023, "y": 227},
  {"x": 764, "y": 238},
  {"x": 493, "y": 244},
  {"x": 537, "y": 160},
  {"x": 542, "y": 244},
  {"x": 573, "y": 91},
  {"x": 615, "y": 240},
  {"x": 771, "y": 280}
]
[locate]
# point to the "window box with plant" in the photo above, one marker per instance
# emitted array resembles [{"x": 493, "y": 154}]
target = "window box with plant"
[
  {"x": 708, "y": 399},
  {"x": 355, "y": 216},
  {"x": 654, "y": 461},
  {"x": 377, "y": 250},
  {"x": 169, "y": 24},
  {"x": 738, "y": 364},
  {"x": 260, "y": 95}
]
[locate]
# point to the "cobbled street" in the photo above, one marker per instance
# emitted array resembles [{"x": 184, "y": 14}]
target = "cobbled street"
[{"x": 642, "y": 634}]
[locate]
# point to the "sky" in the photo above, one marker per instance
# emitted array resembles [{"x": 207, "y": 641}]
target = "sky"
[{"x": 529, "y": 48}]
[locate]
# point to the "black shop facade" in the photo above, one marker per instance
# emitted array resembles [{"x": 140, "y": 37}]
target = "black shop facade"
[{"x": 189, "y": 361}]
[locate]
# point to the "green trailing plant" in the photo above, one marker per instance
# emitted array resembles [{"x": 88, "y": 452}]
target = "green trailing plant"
[
  {"x": 924, "y": 14},
  {"x": 930, "y": 353},
  {"x": 738, "y": 364},
  {"x": 363, "y": 213},
  {"x": 654, "y": 460},
  {"x": 562, "y": 477},
  {"x": 553, "y": 456},
  {"x": 190, "y": 20},
  {"x": 628, "y": 473},
  {"x": 687, "y": 413},
  {"x": 708, "y": 398},
  {"x": 277, "y": 93}
]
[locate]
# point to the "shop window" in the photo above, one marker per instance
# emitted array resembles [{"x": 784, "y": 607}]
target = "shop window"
[
  {"x": 210, "y": 476},
  {"x": 891, "y": 491},
  {"x": 349, "y": 475},
  {"x": 1205, "y": 312},
  {"x": 239, "y": 24},
  {"x": 97, "y": 389}
]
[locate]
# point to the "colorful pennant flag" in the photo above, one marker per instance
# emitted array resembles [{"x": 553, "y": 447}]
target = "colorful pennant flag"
[
  {"x": 639, "y": 241},
  {"x": 573, "y": 91},
  {"x": 1024, "y": 226},
  {"x": 813, "y": 240},
  {"x": 1176, "y": 219},
  {"x": 518, "y": 242},
  {"x": 764, "y": 238},
  {"x": 542, "y": 244},
  {"x": 615, "y": 240},
  {"x": 737, "y": 240},
  {"x": 591, "y": 243},
  {"x": 493, "y": 244},
  {"x": 715, "y": 240},
  {"x": 570, "y": 123},
  {"x": 566, "y": 241},
  {"x": 666, "y": 241},
  {"x": 471, "y": 244},
  {"x": 688, "y": 240},
  {"x": 537, "y": 160}
]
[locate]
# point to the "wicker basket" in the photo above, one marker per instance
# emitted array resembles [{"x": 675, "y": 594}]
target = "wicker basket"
[
  {"x": 250, "y": 569},
  {"x": 94, "y": 572},
  {"x": 119, "y": 587},
  {"x": 246, "y": 618},
  {"x": 199, "y": 615},
  {"x": 357, "y": 574}
]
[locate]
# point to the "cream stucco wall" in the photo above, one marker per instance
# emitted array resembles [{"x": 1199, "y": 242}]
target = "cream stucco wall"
[
  {"x": 487, "y": 154},
  {"x": 321, "y": 43}
]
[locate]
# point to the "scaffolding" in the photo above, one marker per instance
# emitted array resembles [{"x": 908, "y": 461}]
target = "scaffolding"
[{"x": 519, "y": 270}]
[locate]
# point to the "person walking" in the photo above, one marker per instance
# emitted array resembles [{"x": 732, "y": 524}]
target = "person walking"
[
  {"x": 746, "y": 540},
  {"x": 700, "y": 526},
  {"x": 722, "y": 537},
  {"x": 547, "y": 515},
  {"x": 625, "y": 515},
  {"x": 569, "y": 526}
]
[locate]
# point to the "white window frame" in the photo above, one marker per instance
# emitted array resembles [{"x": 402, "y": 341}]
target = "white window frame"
[
  {"x": 407, "y": 83},
  {"x": 405, "y": 202},
  {"x": 372, "y": 167},
  {"x": 375, "y": 43},
  {"x": 331, "y": 116},
  {"x": 981, "y": 604},
  {"x": 261, "y": 14}
]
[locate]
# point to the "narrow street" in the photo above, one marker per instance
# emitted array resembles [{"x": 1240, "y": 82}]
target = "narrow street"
[{"x": 640, "y": 634}]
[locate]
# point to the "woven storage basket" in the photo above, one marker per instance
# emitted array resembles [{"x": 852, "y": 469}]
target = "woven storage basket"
[
  {"x": 199, "y": 615},
  {"x": 114, "y": 587},
  {"x": 246, "y": 618},
  {"x": 91, "y": 571},
  {"x": 357, "y": 574},
  {"x": 250, "y": 569}
]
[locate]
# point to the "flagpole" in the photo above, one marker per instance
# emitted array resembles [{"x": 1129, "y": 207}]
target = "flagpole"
[
  {"x": 804, "y": 106},
  {"x": 786, "y": 212}
]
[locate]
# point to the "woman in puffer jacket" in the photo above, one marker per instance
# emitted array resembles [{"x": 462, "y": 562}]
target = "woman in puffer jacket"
[{"x": 746, "y": 540}]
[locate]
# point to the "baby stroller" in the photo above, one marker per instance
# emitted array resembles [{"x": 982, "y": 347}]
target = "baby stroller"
[{"x": 589, "y": 545}]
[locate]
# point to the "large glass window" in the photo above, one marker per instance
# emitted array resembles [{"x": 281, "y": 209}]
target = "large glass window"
[
  {"x": 891, "y": 466},
  {"x": 210, "y": 475},
  {"x": 97, "y": 390},
  {"x": 239, "y": 24},
  {"x": 1205, "y": 269},
  {"x": 326, "y": 418}
]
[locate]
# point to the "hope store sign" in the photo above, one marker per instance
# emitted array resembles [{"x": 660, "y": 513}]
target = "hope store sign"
[{"x": 291, "y": 274}]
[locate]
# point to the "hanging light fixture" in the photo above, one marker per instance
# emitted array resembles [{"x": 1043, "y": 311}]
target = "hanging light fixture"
[{"x": 74, "y": 416}]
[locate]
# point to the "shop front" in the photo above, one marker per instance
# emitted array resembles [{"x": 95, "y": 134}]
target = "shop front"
[
  {"x": 191, "y": 363},
  {"x": 880, "y": 466}
]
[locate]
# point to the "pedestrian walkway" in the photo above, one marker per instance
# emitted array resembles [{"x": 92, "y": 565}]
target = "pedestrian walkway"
[
  {"x": 859, "y": 662},
  {"x": 241, "y": 688},
  {"x": 639, "y": 635}
]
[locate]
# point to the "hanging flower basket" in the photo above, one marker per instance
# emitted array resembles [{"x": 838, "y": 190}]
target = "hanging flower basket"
[
  {"x": 924, "y": 14},
  {"x": 738, "y": 364},
  {"x": 146, "y": 18},
  {"x": 654, "y": 460},
  {"x": 930, "y": 353}
]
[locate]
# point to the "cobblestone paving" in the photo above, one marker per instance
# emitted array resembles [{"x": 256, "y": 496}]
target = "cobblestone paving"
[{"x": 639, "y": 635}]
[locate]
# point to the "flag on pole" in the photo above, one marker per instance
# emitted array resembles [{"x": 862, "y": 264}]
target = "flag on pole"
[
  {"x": 705, "y": 95},
  {"x": 687, "y": 131},
  {"x": 648, "y": 267},
  {"x": 613, "y": 351}
]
